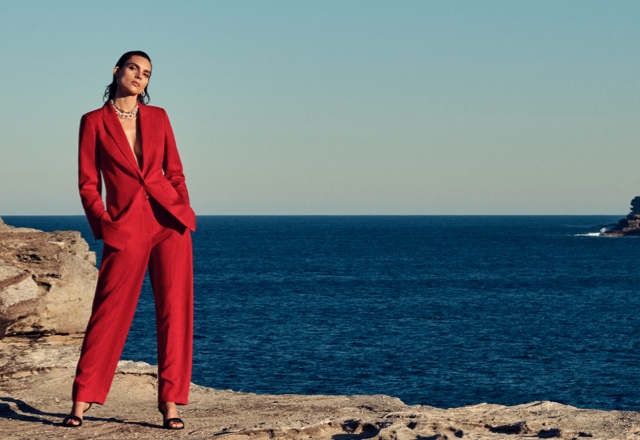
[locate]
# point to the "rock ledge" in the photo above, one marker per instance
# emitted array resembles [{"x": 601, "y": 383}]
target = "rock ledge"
[{"x": 47, "y": 281}]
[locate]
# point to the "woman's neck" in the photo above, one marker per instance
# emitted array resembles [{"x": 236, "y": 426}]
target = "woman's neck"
[{"x": 125, "y": 103}]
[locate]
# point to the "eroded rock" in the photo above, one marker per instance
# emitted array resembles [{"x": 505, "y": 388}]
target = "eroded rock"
[{"x": 47, "y": 281}]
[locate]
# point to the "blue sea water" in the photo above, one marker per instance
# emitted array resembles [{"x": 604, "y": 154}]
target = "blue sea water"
[{"x": 435, "y": 310}]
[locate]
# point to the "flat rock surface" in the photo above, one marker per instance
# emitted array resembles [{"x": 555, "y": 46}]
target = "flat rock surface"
[{"x": 36, "y": 377}]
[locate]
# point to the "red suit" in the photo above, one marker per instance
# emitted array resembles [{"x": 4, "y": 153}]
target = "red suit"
[{"x": 146, "y": 224}]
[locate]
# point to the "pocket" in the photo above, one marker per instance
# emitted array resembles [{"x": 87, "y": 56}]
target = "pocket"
[
  {"x": 171, "y": 191},
  {"x": 105, "y": 216},
  {"x": 112, "y": 234}
]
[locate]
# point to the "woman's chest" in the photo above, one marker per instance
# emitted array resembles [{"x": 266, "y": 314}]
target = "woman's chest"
[{"x": 131, "y": 129}]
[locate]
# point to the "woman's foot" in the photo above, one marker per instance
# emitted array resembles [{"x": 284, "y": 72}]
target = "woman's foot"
[
  {"x": 75, "y": 419},
  {"x": 169, "y": 412}
]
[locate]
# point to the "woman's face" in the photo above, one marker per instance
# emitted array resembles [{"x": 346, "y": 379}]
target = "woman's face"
[{"x": 134, "y": 76}]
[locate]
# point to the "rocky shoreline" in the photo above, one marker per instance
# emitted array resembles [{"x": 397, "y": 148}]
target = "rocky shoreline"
[
  {"x": 628, "y": 226},
  {"x": 46, "y": 284}
]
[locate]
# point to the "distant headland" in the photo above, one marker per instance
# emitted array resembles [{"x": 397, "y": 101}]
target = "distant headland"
[{"x": 628, "y": 226}]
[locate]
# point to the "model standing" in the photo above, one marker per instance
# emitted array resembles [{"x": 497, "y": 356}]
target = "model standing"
[{"x": 130, "y": 147}]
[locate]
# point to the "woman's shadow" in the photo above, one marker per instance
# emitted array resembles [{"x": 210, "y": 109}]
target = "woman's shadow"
[{"x": 28, "y": 413}]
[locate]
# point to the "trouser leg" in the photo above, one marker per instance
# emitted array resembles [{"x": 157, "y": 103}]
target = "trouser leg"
[
  {"x": 171, "y": 273},
  {"x": 119, "y": 284}
]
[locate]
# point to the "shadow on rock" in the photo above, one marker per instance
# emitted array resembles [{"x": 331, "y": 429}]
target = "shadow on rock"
[
  {"x": 26, "y": 413},
  {"x": 357, "y": 431}
]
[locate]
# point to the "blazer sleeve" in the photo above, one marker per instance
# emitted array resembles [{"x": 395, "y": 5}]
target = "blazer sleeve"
[
  {"x": 171, "y": 164},
  {"x": 89, "y": 177}
]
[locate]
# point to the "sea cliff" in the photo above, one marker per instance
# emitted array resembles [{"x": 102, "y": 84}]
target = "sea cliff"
[
  {"x": 628, "y": 226},
  {"x": 46, "y": 284}
]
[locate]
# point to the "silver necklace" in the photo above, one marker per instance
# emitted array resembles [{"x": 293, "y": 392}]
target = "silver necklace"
[{"x": 125, "y": 115}]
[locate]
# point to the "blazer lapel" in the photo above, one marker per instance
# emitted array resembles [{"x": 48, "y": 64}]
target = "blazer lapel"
[{"x": 114, "y": 128}]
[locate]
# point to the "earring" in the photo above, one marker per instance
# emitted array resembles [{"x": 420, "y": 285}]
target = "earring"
[{"x": 143, "y": 94}]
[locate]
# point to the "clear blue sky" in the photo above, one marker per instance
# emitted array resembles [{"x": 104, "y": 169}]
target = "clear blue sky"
[{"x": 340, "y": 106}]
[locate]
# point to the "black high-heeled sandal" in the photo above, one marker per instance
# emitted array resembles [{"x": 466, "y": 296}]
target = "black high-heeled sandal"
[
  {"x": 75, "y": 421},
  {"x": 170, "y": 423}
]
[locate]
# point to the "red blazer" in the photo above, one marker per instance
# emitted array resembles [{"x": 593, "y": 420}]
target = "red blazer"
[{"x": 105, "y": 155}]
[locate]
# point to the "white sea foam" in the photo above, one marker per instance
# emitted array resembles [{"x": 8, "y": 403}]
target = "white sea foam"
[
  {"x": 591, "y": 234},
  {"x": 597, "y": 234}
]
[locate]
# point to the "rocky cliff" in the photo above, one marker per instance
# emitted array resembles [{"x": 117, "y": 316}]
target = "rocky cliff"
[
  {"x": 630, "y": 225},
  {"x": 47, "y": 280}
]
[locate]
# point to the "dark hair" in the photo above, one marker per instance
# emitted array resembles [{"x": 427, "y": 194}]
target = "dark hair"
[{"x": 110, "y": 91}]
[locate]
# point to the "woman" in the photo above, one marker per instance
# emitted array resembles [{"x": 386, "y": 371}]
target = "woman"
[{"x": 130, "y": 147}]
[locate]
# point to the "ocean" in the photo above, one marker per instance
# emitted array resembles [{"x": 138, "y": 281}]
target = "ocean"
[{"x": 435, "y": 310}]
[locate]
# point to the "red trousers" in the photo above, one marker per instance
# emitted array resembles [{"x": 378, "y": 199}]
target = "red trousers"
[{"x": 164, "y": 246}]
